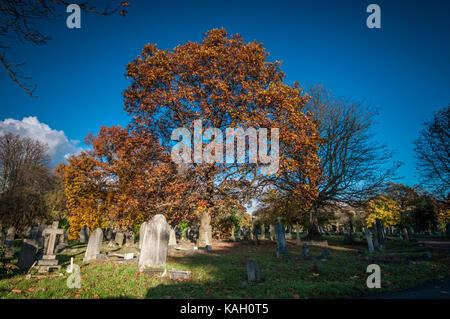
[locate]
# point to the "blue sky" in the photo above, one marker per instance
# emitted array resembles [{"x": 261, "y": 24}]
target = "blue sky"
[{"x": 402, "y": 69}]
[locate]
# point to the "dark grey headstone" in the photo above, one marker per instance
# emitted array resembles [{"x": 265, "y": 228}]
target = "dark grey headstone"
[
  {"x": 369, "y": 240},
  {"x": 27, "y": 254},
  {"x": 281, "y": 241},
  {"x": 129, "y": 238},
  {"x": 305, "y": 251},
  {"x": 84, "y": 234},
  {"x": 252, "y": 271},
  {"x": 325, "y": 254}
]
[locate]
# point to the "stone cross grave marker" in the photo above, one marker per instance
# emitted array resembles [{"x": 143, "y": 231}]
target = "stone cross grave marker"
[{"x": 48, "y": 260}]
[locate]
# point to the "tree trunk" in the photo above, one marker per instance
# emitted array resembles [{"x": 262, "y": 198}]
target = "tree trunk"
[
  {"x": 205, "y": 231},
  {"x": 313, "y": 231}
]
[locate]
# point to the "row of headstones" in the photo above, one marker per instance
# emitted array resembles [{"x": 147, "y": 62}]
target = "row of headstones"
[
  {"x": 154, "y": 240},
  {"x": 258, "y": 232},
  {"x": 110, "y": 234}
]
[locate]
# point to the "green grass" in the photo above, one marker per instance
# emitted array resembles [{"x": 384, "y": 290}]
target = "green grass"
[{"x": 216, "y": 275}]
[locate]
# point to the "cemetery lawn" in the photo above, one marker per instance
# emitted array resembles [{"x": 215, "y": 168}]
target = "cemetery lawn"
[{"x": 222, "y": 273}]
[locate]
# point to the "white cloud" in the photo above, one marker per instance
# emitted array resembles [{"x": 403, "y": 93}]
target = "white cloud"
[{"x": 59, "y": 146}]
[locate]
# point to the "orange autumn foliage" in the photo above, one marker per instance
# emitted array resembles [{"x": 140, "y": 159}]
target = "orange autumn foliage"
[{"x": 225, "y": 83}]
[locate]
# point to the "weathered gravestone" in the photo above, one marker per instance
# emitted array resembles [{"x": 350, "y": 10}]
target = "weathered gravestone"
[
  {"x": 2, "y": 236},
  {"x": 27, "y": 254},
  {"x": 172, "y": 238},
  {"x": 129, "y": 238},
  {"x": 281, "y": 241},
  {"x": 252, "y": 271},
  {"x": 305, "y": 251},
  {"x": 84, "y": 234},
  {"x": 156, "y": 243},
  {"x": 289, "y": 233},
  {"x": 325, "y": 254},
  {"x": 63, "y": 241},
  {"x": 369, "y": 240},
  {"x": 272, "y": 232},
  {"x": 141, "y": 233},
  {"x": 109, "y": 233},
  {"x": 120, "y": 237},
  {"x": 9, "y": 242},
  {"x": 48, "y": 260},
  {"x": 376, "y": 243},
  {"x": 380, "y": 232},
  {"x": 232, "y": 237},
  {"x": 94, "y": 245},
  {"x": 405, "y": 234}
]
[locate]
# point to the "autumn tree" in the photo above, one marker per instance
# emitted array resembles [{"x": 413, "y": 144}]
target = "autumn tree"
[
  {"x": 24, "y": 181},
  {"x": 386, "y": 210},
  {"x": 433, "y": 153},
  {"x": 224, "y": 83},
  {"x": 87, "y": 194},
  {"x": 143, "y": 180}
]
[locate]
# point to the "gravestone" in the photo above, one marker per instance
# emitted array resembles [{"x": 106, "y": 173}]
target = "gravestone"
[
  {"x": 305, "y": 251},
  {"x": 172, "y": 238},
  {"x": 405, "y": 234},
  {"x": 263, "y": 231},
  {"x": 289, "y": 233},
  {"x": 272, "y": 232},
  {"x": 94, "y": 245},
  {"x": 63, "y": 241},
  {"x": 369, "y": 240},
  {"x": 2, "y": 236},
  {"x": 297, "y": 238},
  {"x": 129, "y": 238},
  {"x": 376, "y": 243},
  {"x": 232, "y": 237},
  {"x": 252, "y": 271},
  {"x": 254, "y": 234},
  {"x": 379, "y": 227},
  {"x": 84, "y": 234},
  {"x": 27, "y": 254},
  {"x": 175, "y": 274},
  {"x": 141, "y": 233},
  {"x": 155, "y": 245},
  {"x": 325, "y": 254},
  {"x": 9, "y": 242},
  {"x": 109, "y": 233},
  {"x": 48, "y": 260},
  {"x": 281, "y": 241},
  {"x": 120, "y": 237}
]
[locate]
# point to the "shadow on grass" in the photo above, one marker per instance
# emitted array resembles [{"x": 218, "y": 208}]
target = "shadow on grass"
[{"x": 222, "y": 273}]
